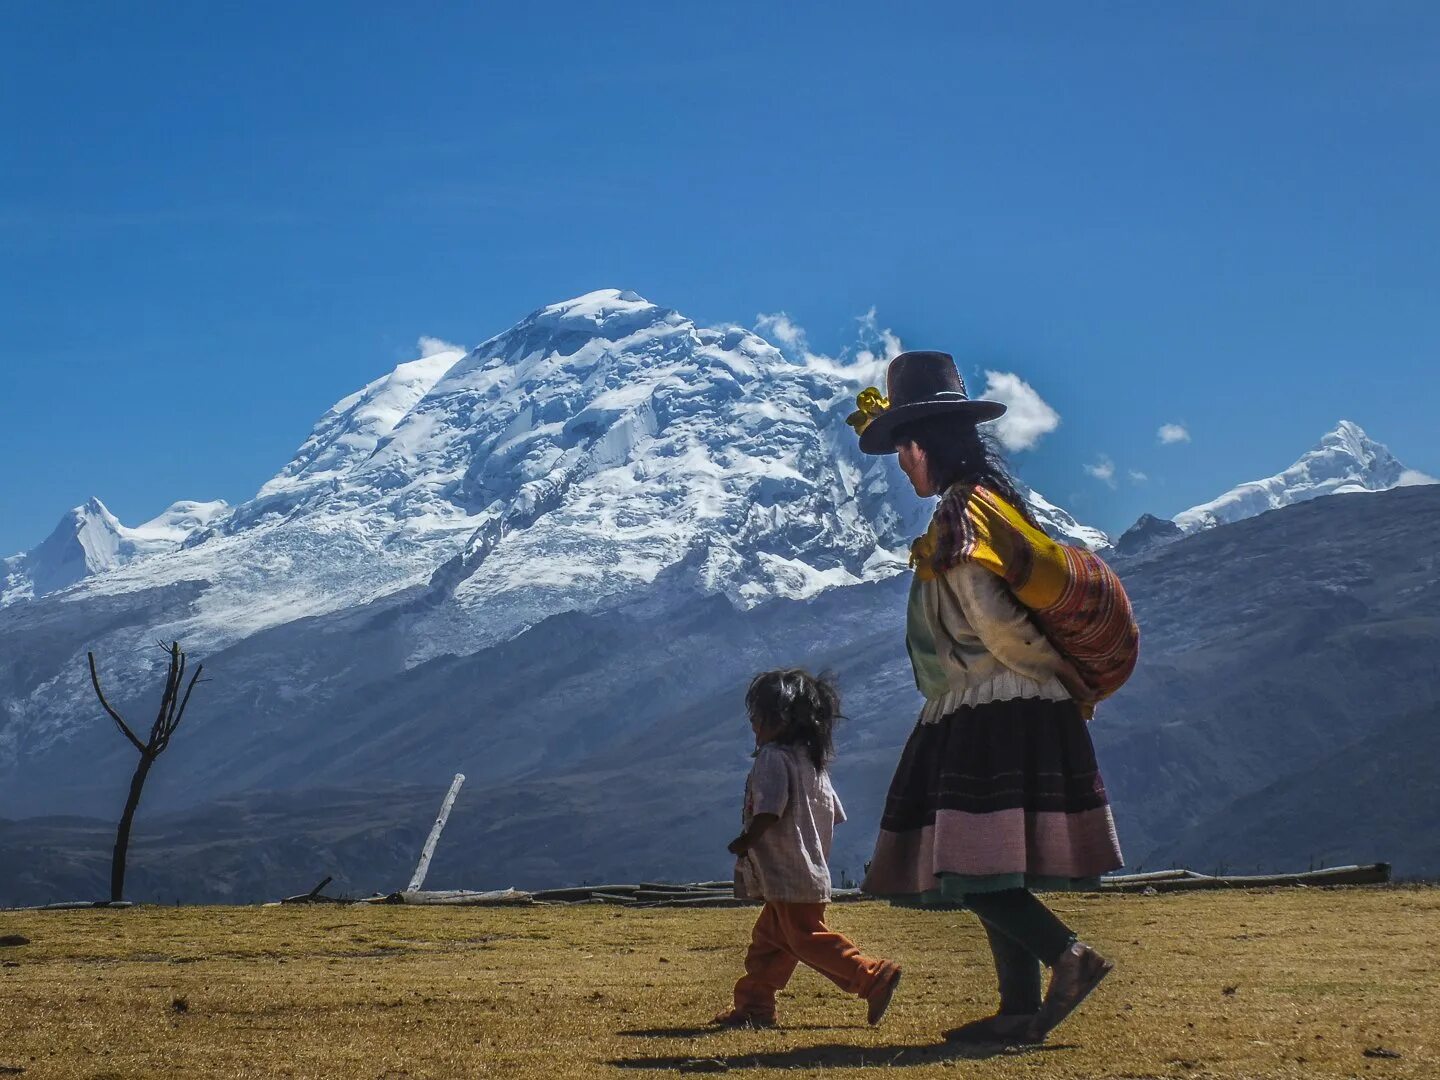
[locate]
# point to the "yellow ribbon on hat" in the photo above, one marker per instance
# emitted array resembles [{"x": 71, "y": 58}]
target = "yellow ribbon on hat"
[{"x": 871, "y": 404}]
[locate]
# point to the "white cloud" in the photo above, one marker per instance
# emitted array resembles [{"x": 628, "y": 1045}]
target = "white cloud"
[
  {"x": 1415, "y": 478},
  {"x": 1172, "y": 433},
  {"x": 878, "y": 345},
  {"x": 861, "y": 364},
  {"x": 1029, "y": 417},
  {"x": 433, "y": 346},
  {"x": 1138, "y": 477},
  {"x": 1103, "y": 470},
  {"x": 780, "y": 327}
]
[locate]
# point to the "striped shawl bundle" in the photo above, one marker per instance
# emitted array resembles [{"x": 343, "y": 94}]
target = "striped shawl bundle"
[{"x": 1076, "y": 600}]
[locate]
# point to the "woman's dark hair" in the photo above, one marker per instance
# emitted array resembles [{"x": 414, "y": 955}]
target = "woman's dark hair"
[
  {"x": 799, "y": 708},
  {"x": 958, "y": 452}
]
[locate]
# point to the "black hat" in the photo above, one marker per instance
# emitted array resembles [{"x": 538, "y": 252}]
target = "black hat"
[{"x": 918, "y": 384}]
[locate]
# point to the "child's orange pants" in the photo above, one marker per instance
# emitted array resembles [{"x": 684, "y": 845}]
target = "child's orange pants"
[{"x": 789, "y": 934}]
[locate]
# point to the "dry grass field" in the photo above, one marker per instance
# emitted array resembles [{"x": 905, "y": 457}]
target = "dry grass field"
[{"x": 1291, "y": 983}]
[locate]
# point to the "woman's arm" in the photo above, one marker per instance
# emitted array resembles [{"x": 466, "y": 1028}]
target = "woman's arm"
[{"x": 1005, "y": 628}]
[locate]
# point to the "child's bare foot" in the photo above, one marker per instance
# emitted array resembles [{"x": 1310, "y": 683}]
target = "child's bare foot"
[
  {"x": 734, "y": 1018},
  {"x": 887, "y": 980}
]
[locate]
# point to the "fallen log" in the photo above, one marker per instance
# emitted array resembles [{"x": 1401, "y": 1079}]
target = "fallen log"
[
  {"x": 314, "y": 897},
  {"x": 454, "y": 898},
  {"x": 465, "y": 898},
  {"x": 1150, "y": 876},
  {"x": 661, "y": 886},
  {"x": 1370, "y": 874},
  {"x": 693, "y": 894},
  {"x": 581, "y": 892},
  {"x": 77, "y": 905}
]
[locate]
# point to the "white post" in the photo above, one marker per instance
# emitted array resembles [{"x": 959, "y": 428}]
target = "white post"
[{"x": 424, "y": 868}]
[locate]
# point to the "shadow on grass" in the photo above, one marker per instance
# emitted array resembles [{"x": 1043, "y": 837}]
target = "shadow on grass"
[
  {"x": 834, "y": 1056},
  {"x": 709, "y": 1029}
]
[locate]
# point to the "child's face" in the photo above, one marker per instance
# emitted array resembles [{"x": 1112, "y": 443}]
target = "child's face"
[{"x": 763, "y": 733}]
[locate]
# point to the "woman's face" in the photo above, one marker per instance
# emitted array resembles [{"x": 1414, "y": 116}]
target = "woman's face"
[{"x": 915, "y": 466}]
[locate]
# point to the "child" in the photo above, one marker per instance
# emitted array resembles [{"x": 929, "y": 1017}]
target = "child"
[{"x": 790, "y": 813}]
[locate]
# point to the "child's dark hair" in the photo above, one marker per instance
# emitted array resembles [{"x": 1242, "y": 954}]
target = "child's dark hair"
[{"x": 799, "y": 708}]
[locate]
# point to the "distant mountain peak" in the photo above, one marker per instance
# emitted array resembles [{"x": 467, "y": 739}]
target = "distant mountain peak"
[
  {"x": 1147, "y": 534},
  {"x": 90, "y": 540},
  {"x": 605, "y": 313},
  {"x": 1350, "y": 438},
  {"x": 599, "y": 306},
  {"x": 1345, "y": 460}
]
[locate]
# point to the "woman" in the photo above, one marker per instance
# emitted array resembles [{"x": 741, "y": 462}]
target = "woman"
[{"x": 997, "y": 791}]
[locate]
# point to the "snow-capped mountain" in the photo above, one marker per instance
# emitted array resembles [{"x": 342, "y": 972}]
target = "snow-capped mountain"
[
  {"x": 604, "y": 452},
  {"x": 90, "y": 540},
  {"x": 605, "y": 435},
  {"x": 605, "y": 440},
  {"x": 563, "y": 465},
  {"x": 344, "y": 438},
  {"x": 1061, "y": 524},
  {"x": 1345, "y": 460}
]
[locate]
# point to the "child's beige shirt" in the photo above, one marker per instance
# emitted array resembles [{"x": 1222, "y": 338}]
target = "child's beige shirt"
[{"x": 788, "y": 863}]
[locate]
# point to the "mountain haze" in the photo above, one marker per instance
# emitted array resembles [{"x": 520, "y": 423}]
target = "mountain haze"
[{"x": 1286, "y": 661}]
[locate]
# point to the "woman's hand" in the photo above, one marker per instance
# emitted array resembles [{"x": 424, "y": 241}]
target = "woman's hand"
[
  {"x": 740, "y": 845},
  {"x": 1075, "y": 686}
]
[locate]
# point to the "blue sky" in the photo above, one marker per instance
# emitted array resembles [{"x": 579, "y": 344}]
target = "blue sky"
[{"x": 215, "y": 221}]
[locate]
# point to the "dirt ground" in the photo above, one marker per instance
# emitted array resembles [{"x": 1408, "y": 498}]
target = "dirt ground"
[{"x": 1286, "y": 983}]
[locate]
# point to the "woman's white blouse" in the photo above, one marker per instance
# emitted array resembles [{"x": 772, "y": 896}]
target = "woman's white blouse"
[{"x": 986, "y": 644}]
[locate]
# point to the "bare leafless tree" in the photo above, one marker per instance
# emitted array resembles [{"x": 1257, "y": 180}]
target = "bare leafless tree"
[{"x": 172, "y": 709}]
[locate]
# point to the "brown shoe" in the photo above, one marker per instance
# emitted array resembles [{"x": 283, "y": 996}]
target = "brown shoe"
[
  {"x": 734, "y": 1018},
  {"x": 1002, "y": 1029},
  {"x": 1078, "y": 971},
  {"x": 888, "y": 978}
]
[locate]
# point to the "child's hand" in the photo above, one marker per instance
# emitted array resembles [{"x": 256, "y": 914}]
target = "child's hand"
[{"x": 759, "y": 825}]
